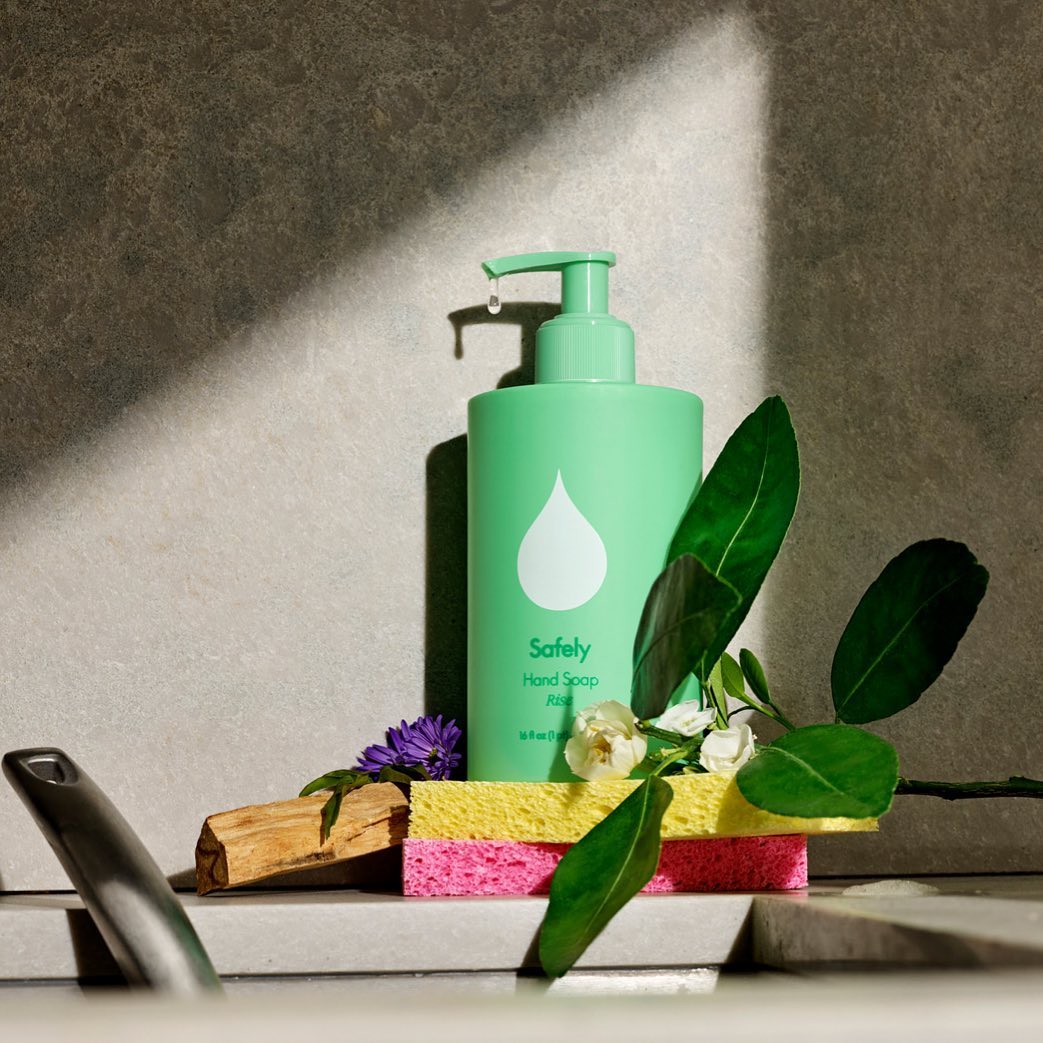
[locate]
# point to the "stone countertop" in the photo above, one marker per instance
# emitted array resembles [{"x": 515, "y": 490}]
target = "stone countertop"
[
  {"x": 962, "y": 922},
  {"x": 357, "y": 932}
]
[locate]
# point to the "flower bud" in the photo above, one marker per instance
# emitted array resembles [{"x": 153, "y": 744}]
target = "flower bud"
[
  {"x": 728, "y": 749},
  {"x": 687, "y": 718}
]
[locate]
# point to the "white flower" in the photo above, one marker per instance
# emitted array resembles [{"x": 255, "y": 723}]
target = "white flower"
[
  {"x": 605, "y": 742},
  {"x": 687, "y": 718},
  {"x": 728, "y": 749}
]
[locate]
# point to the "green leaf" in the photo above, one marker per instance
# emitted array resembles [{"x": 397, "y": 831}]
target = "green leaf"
[
  {"x": 754, "y": 673},
  {"x": 684, "y": 611},
  {"x": 905, "y": 629},
  {"x": 601, "y": 873},
  {"x": 716, "y": 679},
  {"x": 714, "y": 690},
  {"x": 731, "y": 677},
  {"x": 734, "y": 686},
  {"x": 823, "y": 771},
  {"x": 738, "y": 519},
  {"x": 341, "y": 781},
  {"x": 403, "y": 774},
  {"x": 334, "y": 778},
  {"x": 330, "y": 812}
]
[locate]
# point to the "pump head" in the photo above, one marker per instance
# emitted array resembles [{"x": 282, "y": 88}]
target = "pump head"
[{"x": 584, "y": 342}]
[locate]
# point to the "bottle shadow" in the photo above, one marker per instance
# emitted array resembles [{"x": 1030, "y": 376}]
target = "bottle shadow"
[
  {"x": 529, "y": 316},
  {"x": 445, "y": 587}
]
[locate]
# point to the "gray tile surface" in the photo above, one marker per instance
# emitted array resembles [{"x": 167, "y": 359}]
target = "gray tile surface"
[{"x": 236, "y": 242}]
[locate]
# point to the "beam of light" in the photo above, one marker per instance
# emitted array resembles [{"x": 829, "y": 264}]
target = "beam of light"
[{"x": 232, "y": 572}]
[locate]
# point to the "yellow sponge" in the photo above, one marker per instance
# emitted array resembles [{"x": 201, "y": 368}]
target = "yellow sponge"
[{"x": 561, "y": 812}]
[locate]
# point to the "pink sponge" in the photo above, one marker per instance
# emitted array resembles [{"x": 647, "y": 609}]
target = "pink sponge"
[{"x": 513, "y": 867}]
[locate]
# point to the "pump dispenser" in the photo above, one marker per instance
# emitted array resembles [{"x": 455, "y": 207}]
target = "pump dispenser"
[
  {"x": 576, "y": 485},
  {"x": 584, "y": 342}
]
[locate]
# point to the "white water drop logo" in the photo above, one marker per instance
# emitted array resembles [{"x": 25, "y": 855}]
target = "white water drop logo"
[{"x": 561, "y": 560}]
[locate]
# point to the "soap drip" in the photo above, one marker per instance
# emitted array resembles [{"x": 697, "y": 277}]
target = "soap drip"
[{"x": 494, "y": 298}]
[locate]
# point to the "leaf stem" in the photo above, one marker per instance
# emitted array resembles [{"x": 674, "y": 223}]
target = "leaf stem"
[
  {"x": 1015, "y": 786},
  {"x": 769, "y": 710},
  {"x": 674, "y": 738},
  {"x": 719, "y": 702},
  {"x": 683, "y": 754},
  {"x": 677, "y": 755}
]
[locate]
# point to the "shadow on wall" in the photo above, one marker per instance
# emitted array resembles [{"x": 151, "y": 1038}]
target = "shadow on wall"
[
  {"x": 176, "y": 173},
  {"x": 445, "y": 614},
  {"x": 905, "y": 239}
]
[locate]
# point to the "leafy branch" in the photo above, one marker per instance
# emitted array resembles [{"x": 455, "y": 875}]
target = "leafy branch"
[
  {"x": 903, "y": 632},
  {"x": 342, "y": 781}
]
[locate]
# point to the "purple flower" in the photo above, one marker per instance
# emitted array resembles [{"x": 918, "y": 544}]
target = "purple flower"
[{"x": 426, "y": 743}]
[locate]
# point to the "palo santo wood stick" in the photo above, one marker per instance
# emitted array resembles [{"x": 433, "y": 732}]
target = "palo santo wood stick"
[{"x": 253, "y": 843}]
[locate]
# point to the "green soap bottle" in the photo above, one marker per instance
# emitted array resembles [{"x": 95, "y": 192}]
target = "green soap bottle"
[{"x": 575, "y": 487}]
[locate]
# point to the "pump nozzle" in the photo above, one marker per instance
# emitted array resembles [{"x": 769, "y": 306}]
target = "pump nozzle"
[{"x": 584, "y": 342}]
